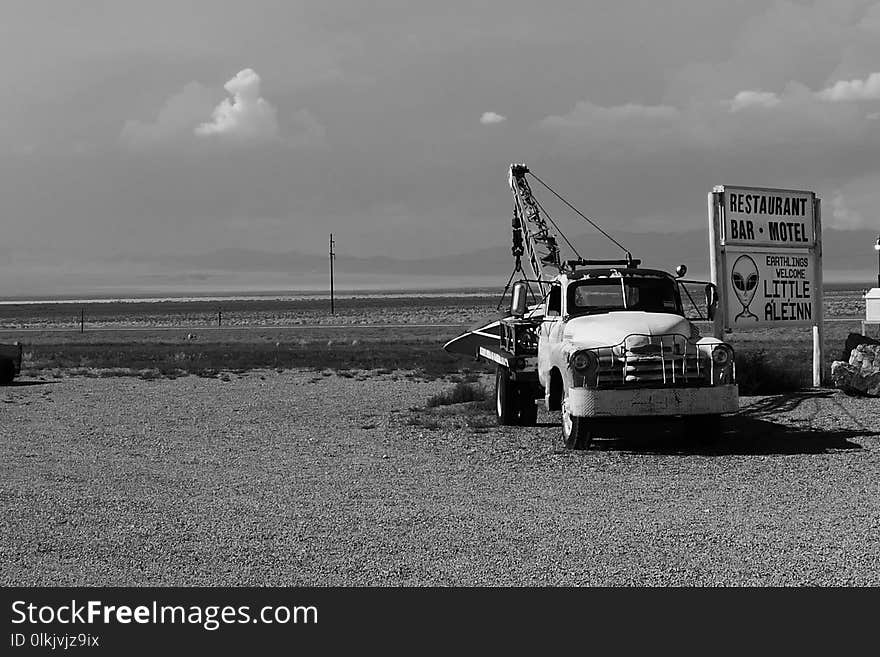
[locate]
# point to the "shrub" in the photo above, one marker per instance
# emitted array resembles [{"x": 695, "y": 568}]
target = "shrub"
[
  {"x": 759, "y": 373},
  {"x": 461, "y": 393},
  {"x": 423, "y": 360}
]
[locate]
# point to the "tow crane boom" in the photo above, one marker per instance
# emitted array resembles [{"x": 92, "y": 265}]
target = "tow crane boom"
[{"x": 531, "y": 234}]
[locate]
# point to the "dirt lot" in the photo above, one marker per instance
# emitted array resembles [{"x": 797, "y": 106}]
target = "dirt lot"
[{"x": 299, "y": 478}]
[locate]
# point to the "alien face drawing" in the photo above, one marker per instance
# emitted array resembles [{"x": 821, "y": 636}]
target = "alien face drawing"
[{"x": 744, "y": 277}]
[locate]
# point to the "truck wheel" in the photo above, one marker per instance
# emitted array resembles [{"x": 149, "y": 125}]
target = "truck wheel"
[
  {"x": 7, "y": 371},
  {"x": 528, "y": 409},
  {"x": 575, "y": 430},
  {"x": 506, "y": 399}
]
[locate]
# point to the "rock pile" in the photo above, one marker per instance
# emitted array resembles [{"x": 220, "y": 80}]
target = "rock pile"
[
  {"x": 861, "y": 374},
  {"x": 853, "y": 340}
]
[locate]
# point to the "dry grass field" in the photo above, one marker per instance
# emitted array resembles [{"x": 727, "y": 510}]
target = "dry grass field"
[
  {"x": 352, "y": 450},
  {"x": 168, "y": 339}
]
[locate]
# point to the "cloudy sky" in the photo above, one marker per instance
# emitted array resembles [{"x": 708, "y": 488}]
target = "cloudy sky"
[{"x": 138, "y": 129}]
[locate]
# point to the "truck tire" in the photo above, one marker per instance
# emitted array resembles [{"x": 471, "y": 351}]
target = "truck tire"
[
  {"x": 506, "y": 399},
  {"x": 7, "y": 371},
  {"x": 528, "y": 409},
  {"x": 575, "y": 430}
]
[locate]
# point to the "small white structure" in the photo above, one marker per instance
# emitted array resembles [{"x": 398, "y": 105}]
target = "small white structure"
[
  {"x": 872, "y": 305},
  {"x": 872, "y": 308}
]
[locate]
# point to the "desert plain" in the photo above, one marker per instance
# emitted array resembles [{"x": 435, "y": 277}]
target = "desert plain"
[{"x": 288, "y": 446}]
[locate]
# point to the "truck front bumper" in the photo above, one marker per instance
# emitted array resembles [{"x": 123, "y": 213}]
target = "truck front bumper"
[{"x": 708, "y": 400}]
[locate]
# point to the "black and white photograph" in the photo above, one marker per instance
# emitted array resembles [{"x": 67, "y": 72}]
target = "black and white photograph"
[{"x": 417, "y": 294}]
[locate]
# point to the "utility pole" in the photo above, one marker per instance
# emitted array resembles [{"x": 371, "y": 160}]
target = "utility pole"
[{"x": 332, "y": 257}]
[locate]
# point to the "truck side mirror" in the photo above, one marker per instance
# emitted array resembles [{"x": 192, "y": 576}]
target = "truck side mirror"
[
  {"x": 518, "y": 300},
  {"x": 711, "y": 301},
  {"x": 554, "y": 301}
]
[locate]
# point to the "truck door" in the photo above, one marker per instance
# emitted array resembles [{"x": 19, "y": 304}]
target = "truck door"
[{"x": 549, "y": 329}]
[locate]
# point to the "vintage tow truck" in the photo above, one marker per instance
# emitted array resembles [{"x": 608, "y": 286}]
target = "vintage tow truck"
[{"x": 607, "y": 339}]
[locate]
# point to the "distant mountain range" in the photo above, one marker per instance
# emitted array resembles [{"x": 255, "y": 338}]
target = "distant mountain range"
[{"x": 849, "y": 255}]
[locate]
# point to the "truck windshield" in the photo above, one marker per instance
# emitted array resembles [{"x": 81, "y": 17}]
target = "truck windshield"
[{"x": 648, "y": 294}]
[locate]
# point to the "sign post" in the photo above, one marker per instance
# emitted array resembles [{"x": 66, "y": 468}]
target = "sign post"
[{"x": 766, "y": 260}]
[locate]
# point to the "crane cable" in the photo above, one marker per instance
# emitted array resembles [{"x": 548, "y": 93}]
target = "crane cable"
[{"x": 582, "y": 216}]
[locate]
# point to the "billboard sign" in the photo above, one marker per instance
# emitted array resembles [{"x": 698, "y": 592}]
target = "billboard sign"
[
  {"x": 766, "y": 260},
  {"x": 768, "y": 217},
  {"x": 766, "y": 256},
  {"x": 769, "y": 287}
]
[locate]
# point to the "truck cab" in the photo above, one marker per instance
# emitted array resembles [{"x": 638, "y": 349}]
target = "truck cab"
[{"x": 615, "y": 342}]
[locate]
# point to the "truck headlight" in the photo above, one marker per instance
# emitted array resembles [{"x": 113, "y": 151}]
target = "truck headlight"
[
  {"x": 722, "y": 355},
  {"x": 583, "y": 361}
]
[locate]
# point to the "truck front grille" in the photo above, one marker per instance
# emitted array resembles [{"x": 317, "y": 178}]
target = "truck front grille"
[{"x": 652, "y": 360}]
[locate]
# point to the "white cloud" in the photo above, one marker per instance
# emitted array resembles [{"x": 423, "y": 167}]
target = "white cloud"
[
  {"x": 746, "y": 99},
  {"x": 489, "y": 118},
  {"x": 840, "y": 91},
  {"x": 802, "y": 141},
  {"x": 247, "y": 116},
  {"x": 176, "y": 119},
  {"x": 849, "y": 90}
]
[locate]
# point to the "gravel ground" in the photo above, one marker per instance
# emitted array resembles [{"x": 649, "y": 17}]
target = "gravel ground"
[{"x": 301, "y": 479}]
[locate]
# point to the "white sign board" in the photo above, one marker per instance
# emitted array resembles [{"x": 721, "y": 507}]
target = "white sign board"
[
  {"x": 769, "y": 287},
  {"x": 766, "y": 260},
  {"x": 756, "y": 217}
]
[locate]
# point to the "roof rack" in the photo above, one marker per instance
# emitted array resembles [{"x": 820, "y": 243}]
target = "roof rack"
[{"x": 580, "y": 262}]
